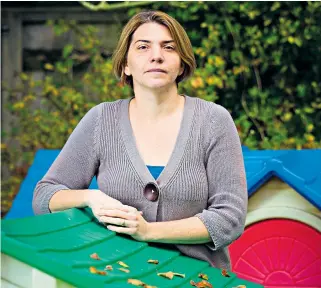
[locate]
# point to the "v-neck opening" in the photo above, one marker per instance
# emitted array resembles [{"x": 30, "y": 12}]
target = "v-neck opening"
[{"x": 176, "y": 154}]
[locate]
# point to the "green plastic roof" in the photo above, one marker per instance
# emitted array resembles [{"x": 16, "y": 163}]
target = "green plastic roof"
[{"x": 60, "y": 244}]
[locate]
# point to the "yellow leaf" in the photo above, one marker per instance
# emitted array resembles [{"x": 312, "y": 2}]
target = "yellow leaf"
[
  {"x": 219, "y": 61},
  {"x": 291, "y": 140},
  {"x": 291, "y": 39},
  {"x": 203, "y": 276},
  {"x": 310, "y": 127},
  {"x": 287, "y": 116},
  {"x": 94, "y": 270},
  {"x": 49, "y": 66},
  {"x": 73, "y": 122},
  {"x": 135, "y": 282},
  {"x": 55, "y": 92},
  {"x": 309, "y": 137},
  {"x": 24, "y": 76},
  {"x": 19, "y": 105},
  {"x": 123, "y": 264},
  {"x": 197, "y": 82},
  {"x": 124, "y": 270},
  {"x": 170, "y": 275}
]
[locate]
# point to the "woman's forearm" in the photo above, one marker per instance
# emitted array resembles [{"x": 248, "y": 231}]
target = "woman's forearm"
[
  {"x": 65, "y": 199},
  {"x": 185, "y": 231}
]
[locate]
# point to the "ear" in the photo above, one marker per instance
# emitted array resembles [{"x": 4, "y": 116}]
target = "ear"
[
  {"x": 181, "y": 69},
  {"x": 127, "y": 70}
]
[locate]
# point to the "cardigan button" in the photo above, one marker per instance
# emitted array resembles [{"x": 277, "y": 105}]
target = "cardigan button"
[{"x": 151, "y": 192}]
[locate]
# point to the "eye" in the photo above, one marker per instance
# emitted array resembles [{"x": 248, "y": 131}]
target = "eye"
[
  {"x": 168, "y": 47},
  {"x": 142, "y": 47}
]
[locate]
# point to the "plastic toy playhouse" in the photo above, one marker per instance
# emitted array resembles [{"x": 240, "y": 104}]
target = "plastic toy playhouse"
[{"x": 280, "y": 247}]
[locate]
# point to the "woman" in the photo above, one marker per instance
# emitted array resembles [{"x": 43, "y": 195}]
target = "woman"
[{"x": 169, "y": 167}]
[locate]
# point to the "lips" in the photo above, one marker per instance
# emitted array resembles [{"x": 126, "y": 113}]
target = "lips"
[{"x": 157, "y": 70}]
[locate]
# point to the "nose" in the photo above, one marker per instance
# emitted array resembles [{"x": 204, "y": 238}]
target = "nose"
[{"x": 156, "y": 55}]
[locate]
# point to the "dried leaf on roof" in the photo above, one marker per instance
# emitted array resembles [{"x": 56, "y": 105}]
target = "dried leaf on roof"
[
  {"x": 124, "y": 270},
  {"x": 137, "y": 282},
  {"x": 94, "y": 270},
  {"x": 170, "y": 275},
  {"x": 201, "y": 284},
  {"x": 95, "y": 256},
  {"x": 225, "y": 273},
  {"x": 121, "y": 263},
  {"x": 203, "y": 276}
]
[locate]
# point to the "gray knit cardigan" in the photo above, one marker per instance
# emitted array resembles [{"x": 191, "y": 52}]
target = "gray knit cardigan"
[{"x": 204, "y": 177}]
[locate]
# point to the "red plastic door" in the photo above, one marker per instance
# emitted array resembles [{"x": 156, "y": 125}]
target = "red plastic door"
[{"x": 279, "y": 253}]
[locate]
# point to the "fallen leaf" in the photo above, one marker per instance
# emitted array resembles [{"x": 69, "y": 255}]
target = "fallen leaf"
[
  {"x": 153, "y": 261},
  {"x": 179, "y": 275},
  {"x": 135, "y": 282},
  {"x": 170, "y": 275},
  {"x": 201, "y": 284},
  {"x": 203, "y": 276},
  {"x": 109, "y": 267},
  {"x": 225, "y": 273},
  {"x": 123, "y": 264},
  {"x": 124, "y": 270},
  {"x": 95, "y": 256},
  {"x": 93, "y": 270}
]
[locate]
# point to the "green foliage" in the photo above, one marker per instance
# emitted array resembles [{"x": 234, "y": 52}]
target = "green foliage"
[
  {"x": 47, "y": 111},
  {"x": 260, "y": 60}
]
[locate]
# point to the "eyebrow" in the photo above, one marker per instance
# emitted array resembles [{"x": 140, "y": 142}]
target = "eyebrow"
[{"x": 163, "y": 42}]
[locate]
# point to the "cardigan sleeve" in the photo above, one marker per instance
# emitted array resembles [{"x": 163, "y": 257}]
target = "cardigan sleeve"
[
  {"x": 225, "y": 215},
  {"x": 75, "y": 165}
]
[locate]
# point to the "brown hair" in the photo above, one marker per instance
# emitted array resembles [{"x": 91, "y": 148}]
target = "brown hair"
[{"x": 184, "y": 46}]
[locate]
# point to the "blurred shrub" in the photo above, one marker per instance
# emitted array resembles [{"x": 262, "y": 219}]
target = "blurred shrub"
[{"x": 260, "y": 60}]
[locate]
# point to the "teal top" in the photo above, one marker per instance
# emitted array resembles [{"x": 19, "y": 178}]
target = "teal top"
[{"x": 155, "y": 170}]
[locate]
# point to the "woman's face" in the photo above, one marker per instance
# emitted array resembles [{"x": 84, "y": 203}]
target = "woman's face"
[{"x": 153, "y": 60}]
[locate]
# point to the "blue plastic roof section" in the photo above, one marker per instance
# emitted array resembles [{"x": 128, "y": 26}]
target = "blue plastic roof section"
[
  {"x": 22, "y": 204},
  {"x": 300, "y": 169}
]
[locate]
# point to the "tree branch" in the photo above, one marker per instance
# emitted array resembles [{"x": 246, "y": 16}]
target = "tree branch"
[{"x": 104, "y": 6}]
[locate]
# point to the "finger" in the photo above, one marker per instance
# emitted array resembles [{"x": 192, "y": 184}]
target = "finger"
[
  {"x": 128, "y": 231},
  {"x": 130, "y": 208},
  {"x": 118, "y": 214},
  {"x": 121, "y": 207},
  {"x": 111, "y": 207},
  {"x": 119, "y": 222}
]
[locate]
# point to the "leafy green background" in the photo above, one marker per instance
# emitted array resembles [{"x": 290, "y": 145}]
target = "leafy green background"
[{"x": 260, "y": 60}]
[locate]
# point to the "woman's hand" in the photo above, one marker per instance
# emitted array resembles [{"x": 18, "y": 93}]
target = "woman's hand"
[
  {"x": 99, "y": 201},
  {"x": 130, "y": 223}
]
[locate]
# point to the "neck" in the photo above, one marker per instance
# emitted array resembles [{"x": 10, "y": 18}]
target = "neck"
[{"x": 153, "y": 105}]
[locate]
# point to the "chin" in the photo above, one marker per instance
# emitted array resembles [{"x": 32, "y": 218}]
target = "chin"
[{"x": 158, "y": 84}]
